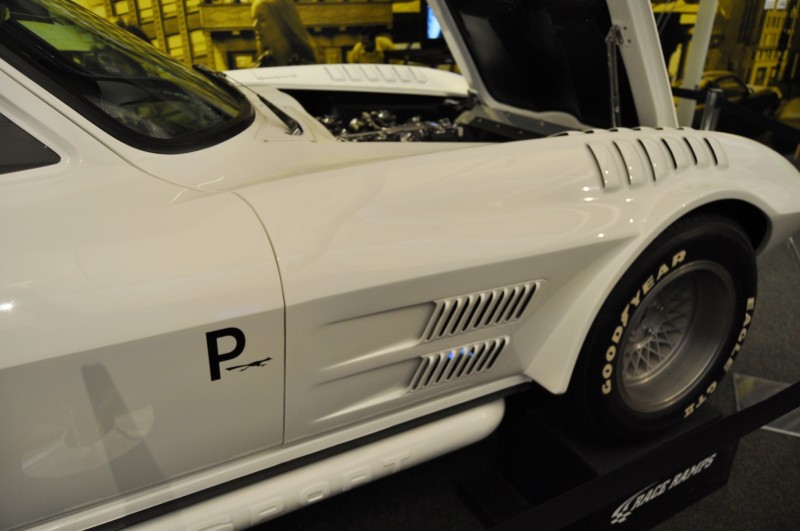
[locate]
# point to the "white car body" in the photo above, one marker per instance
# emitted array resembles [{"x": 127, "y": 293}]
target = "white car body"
[
  {"x": 124, "y": 384},
  {"x": 370, "y": 78}
]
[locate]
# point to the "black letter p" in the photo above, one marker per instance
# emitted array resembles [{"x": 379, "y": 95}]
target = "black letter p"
[{"x": 214, "y": 357}]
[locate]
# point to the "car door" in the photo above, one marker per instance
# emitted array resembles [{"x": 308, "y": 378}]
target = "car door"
[{"x": 141, "y": 323}]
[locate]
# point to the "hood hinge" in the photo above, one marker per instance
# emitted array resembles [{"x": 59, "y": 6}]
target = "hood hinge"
[{"x": 613, "y": 41}]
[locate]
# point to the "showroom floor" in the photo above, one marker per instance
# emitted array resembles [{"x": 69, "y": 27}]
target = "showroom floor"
[{"x": 761, "y": 493}]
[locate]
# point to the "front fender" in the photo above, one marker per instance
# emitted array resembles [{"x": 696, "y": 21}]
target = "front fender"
[{"x": 688, "y": 171}]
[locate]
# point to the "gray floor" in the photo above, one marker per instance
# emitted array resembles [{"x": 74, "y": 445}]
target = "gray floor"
[{"x": 762, "y": 493}]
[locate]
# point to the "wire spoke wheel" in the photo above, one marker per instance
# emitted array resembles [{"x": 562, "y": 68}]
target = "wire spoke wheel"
[
  {"x": 675, "y": 335},
  {"x": 668, "y": 331}
]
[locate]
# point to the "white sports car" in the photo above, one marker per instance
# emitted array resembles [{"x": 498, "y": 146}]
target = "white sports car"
[{"x": 215, "y": 309}]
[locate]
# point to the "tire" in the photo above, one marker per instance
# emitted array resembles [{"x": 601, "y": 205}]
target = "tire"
[{"x": 668, "y": 332}]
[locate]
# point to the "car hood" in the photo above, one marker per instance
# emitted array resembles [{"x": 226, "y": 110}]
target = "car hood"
[
  {"x": 372, "y": 78},
  {"x": 543, "y": 65}
]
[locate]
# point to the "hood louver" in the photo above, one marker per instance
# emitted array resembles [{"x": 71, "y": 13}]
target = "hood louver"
[{"x": 632, "y": 162}]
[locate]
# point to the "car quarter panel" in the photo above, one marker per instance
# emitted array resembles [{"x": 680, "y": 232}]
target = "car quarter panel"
[{"x": 119, "y": 294}]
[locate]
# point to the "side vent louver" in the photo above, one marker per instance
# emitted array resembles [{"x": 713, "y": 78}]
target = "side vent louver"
[
  {"x": 462, "y": 314},
  {"x": 457, "y": 363}
]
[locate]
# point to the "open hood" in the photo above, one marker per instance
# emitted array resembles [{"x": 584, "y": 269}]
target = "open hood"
[{"x": 543, "y": 65}]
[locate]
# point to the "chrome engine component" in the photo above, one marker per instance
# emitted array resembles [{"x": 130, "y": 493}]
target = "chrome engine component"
[{"x": 383, "y": 126}]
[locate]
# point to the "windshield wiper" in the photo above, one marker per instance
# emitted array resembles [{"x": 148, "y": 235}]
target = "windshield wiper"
[
  {"x": 219, "y": 79},
  {"x": 294, "y": 126},
  {"x": 291, "y": 123}
]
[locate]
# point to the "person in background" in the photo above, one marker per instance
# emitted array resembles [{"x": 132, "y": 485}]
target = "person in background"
[
  {"x": 284, "y": 38},
  {"x": 370, "y": 49}
]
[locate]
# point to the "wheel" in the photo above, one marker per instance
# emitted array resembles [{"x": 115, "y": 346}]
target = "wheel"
[{"x": 668, "y": 331}]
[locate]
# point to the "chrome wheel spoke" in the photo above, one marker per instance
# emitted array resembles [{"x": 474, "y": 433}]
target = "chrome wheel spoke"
[{"x": 660, "y": 330}]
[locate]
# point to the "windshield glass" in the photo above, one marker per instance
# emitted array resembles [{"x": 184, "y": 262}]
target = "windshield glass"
[{"x": 143, "y": 96}]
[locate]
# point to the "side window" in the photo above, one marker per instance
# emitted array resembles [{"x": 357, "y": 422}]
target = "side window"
[{"x": 20, "y": 151}]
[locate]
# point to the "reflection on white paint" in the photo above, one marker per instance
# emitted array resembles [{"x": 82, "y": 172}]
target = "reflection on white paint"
[{"x": 65, "y": 454}]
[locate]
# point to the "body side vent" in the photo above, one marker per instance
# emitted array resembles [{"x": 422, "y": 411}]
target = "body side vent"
[
  {"x": 458, "y": 315},
  {"x": 457, "y": 363}
]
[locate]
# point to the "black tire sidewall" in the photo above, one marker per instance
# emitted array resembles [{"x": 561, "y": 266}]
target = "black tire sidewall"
[{"x": 705, "y": 238}]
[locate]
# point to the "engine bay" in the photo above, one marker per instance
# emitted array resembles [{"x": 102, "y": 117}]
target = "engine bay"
[{"x": 371, "y": 117}]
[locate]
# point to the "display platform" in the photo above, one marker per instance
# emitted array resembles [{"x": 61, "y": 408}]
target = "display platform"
[
  {"x": 548, "y": 476},
  {"x": 752, "y": 390}
]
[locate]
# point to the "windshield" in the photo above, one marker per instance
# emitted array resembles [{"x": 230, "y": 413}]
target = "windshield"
[{"x": 117, "y": 80}]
